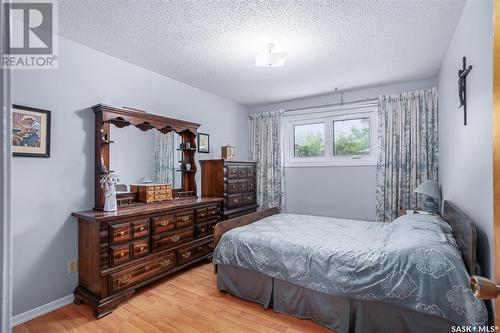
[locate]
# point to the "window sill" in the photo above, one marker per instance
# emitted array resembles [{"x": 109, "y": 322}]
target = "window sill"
[{"x": 330, "y": 163}]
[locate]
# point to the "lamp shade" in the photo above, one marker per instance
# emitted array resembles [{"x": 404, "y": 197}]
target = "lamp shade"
[{"x": 430, "y": 188}]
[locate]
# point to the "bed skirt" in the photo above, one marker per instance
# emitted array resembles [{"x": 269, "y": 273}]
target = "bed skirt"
[{"x": 343, "y": 315}]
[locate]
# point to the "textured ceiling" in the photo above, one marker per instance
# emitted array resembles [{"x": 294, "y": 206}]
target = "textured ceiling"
[{"x": 211, "y": 44}]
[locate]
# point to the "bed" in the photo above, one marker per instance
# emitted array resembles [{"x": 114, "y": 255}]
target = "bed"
[{"x": 410, "y": 275}]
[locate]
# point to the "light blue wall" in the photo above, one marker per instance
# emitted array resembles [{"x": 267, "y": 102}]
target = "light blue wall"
[
  {"x": 466, "y": 152},
  {"x": 345, "y": 192},
  {"x": 46, "y": 191}
]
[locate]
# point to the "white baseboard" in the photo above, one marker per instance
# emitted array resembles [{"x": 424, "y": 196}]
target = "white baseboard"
[{"x": 41, "y": 310}]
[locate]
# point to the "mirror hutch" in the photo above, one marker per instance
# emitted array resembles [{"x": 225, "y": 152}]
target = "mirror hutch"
[{"x": 141, "y": 242}]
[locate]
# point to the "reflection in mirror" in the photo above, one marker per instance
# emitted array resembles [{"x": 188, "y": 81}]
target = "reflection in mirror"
[{"x": 138, "y": 157}]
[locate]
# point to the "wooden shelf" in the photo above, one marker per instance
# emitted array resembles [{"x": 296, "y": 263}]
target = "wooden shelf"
[{"x": 187, "y": 149}]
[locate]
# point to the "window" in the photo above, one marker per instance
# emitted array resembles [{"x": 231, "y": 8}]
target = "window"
[
  {"x": 351, "y": 137},
  {"x": 334, "y": 136},
  {"x": 309, "y": 140}
]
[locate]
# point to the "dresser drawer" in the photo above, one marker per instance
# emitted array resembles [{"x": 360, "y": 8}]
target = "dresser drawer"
[
  {"x": 119, "y": 233},
  {"x": 140, "y": 248},
  {"x": 250, "y": 185},
  {"x": 242, "y": 172},
  {"x": 184, "y": 219},
  {"x": 140, "y": 228},
  {"x": 212, "y": 212},
  {"x": 250, "y": 171},
  {"x": 139, "y": 273},
  {"x": 188, "y": 253},
  {"x": 163, "y": 223},
  {"x": 211, "y": 227},
  {"x": 201, "y": 214},
  {"x": 234, "y": 201},
  {"x": 232, "y": 186},
  {"x": 119, "y": 254},
  {"x": 242, "y": 186},
  {"x": 248, "y": 199},
  {"x": 201, "y": 230},
  {"x": 232, "y": 171},
  {"x": 171, "y": 239}
]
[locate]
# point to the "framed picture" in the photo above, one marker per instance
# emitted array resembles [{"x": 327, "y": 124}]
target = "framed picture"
[
  {"x": 30, "y": 131},
  {"x": 203, "y": 143}
]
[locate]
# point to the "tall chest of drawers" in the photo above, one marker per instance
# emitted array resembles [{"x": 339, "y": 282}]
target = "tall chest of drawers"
[
  {"x": 124, "y": 250},
  {"x": 235, "y": 181}
]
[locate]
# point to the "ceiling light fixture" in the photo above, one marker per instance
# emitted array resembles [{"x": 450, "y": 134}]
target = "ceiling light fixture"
[{"x": 268, "y": 58}]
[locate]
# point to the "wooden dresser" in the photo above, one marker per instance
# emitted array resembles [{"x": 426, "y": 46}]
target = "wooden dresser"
[
  {"x": 233, "y": 180},
  {"x": 142, "y": 242},
  {"x": 124, "y": 250}
]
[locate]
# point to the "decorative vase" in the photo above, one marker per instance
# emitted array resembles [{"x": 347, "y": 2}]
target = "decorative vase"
[
  {"x": 110, "y": 204},
  {"x": 108, "y": 181}
]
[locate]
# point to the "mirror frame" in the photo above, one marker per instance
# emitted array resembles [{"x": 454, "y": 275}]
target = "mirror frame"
[{"x": 121, "y": 117}]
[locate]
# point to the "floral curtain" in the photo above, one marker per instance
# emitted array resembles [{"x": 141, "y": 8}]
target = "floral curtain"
[
  {"x": 163, "y": 159},
  {"x": 266, "y": 147},
  {"x": 407, "y": 150}
]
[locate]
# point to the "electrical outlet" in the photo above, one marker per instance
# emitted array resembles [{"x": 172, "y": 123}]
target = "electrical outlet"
[{"x": 72, "y": 266}]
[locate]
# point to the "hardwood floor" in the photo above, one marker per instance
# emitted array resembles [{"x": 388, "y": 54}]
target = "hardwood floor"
[{"x": 187, "y": 302}]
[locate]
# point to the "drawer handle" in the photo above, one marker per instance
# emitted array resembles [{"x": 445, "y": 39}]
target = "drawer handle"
[
  {"x": 141, "y": 248},
  {"x": 233, "y": 171},
  {"x": 200, "y": 248},
  {"x": 147, "y": 267},
  {"x": 202, "y": 230},
  {"x": 122, "y": 233},
  {"x": 124, "y": 279},
  {"x": 234, "y": 186},
  {"x": 141, "y": 228},
  {"x": 242, "y": 186},
  {"x": 166, "y": 262},
  {"x": 211, "y": 245},
  {"x": 203, "y": 215},
  {"x": 235, "y": 200},
  {"x": 123, "y": 254},
  {"x": 185, "y": 218},
  {"x": 186, "y": 255},
  {"x": 175, "y": 238},
  {"x": 164, "y": 223}
]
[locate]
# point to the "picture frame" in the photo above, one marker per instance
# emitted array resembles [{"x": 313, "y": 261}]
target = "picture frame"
[
  {"x": 203, "y": 143},
  {"x": 30, "y": 131}
]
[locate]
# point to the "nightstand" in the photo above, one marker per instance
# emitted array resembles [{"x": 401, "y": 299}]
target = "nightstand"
[{"x": 414, "y": 212}]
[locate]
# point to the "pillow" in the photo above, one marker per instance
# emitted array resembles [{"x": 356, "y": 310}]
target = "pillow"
[{"x": 465, "y": 234}]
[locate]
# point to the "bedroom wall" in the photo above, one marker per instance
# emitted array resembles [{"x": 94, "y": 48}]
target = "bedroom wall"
[
  {"x": 46, "y": 190},
  {"x": 345, "y": 192},
  {"x": 466, "y": 155}
]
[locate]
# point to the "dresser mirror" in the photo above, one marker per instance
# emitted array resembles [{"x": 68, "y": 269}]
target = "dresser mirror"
[
  {"x": 154, "y": 153},
  {"x": 138, "y": 157}
]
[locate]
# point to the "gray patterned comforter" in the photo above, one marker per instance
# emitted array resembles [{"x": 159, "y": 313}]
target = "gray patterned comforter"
[{"x": 413, "y": 262}]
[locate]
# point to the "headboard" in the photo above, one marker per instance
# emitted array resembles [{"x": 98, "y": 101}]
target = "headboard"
[{"x": 465, "y": 233}]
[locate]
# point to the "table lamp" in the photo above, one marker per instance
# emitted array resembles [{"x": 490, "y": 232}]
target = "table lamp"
[{"x": 431, "y": 189}]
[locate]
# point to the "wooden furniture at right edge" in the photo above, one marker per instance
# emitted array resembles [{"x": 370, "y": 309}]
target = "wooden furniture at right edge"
[{"x": 234, "y": 181}]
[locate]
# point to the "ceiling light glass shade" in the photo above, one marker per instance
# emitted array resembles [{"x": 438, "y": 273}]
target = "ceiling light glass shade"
[{"x": 268, "y": 58}]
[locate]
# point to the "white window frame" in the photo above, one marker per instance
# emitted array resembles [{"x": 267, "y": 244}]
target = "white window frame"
[{"x": 327, "y": 116}]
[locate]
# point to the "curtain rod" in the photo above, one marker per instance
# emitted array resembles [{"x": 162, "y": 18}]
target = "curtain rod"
[{"x": 367, "y": 101}]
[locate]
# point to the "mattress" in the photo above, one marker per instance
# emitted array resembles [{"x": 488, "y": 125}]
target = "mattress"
[{"x": 413, "y": 262}]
